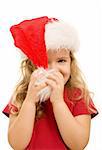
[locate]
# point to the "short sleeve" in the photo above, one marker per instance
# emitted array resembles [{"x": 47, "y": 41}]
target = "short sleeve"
[
  {"x": 8, "y": 108},
  {"x": 81, "y": 108}
]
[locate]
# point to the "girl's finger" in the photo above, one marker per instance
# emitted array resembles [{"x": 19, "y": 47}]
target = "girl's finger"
[
  {"x": 40, "y": 86},
  {"x": 53, "y": 77},
  {"x": 58, "y": 75},
  {"x": 51, "y": 83}
]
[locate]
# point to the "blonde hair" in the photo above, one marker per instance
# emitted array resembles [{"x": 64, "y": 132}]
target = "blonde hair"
[{"x": 75, "y": 81}]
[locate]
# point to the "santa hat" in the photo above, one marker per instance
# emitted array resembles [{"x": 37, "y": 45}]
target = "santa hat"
[{"x": 34, "y": 37}]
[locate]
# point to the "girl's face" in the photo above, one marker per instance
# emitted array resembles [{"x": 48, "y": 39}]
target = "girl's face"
[{"x": 60, "y": 60}]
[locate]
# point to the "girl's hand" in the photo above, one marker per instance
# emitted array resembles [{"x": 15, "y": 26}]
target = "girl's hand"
[
  {"x": 56, "y": 82},
  {"x": 33, "y": 89}
]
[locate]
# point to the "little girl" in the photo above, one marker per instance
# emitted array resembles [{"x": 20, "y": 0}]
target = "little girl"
[{"x": 51, "y": 107}]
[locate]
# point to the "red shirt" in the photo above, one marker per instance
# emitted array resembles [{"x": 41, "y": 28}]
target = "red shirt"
[{"x": 46, "y": 135}]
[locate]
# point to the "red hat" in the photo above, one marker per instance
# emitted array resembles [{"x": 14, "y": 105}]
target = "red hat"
[{"x": 34, "y": 37}]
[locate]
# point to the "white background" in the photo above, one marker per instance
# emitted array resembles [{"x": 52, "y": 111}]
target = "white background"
[{"x": 86, "y": 16}]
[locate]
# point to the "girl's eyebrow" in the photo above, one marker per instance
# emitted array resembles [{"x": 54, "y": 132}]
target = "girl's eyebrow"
[{"x": 63, "y": 57}]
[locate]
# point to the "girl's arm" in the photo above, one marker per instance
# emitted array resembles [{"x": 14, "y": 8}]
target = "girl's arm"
[
  {"x": 21, "y": 127},
  {"x": 74, "y": 130}
]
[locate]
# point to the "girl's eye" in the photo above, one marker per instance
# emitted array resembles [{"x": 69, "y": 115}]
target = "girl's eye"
[{"x": 61, "y": 61}]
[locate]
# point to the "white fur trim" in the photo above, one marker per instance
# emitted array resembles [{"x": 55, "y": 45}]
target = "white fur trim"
[{"x": 59, "y": 34}]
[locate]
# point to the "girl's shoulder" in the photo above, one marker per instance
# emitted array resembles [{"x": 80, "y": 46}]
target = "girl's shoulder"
[
  {"x": 72, "y": 93},
  {"x": 77, "y": 104}
]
